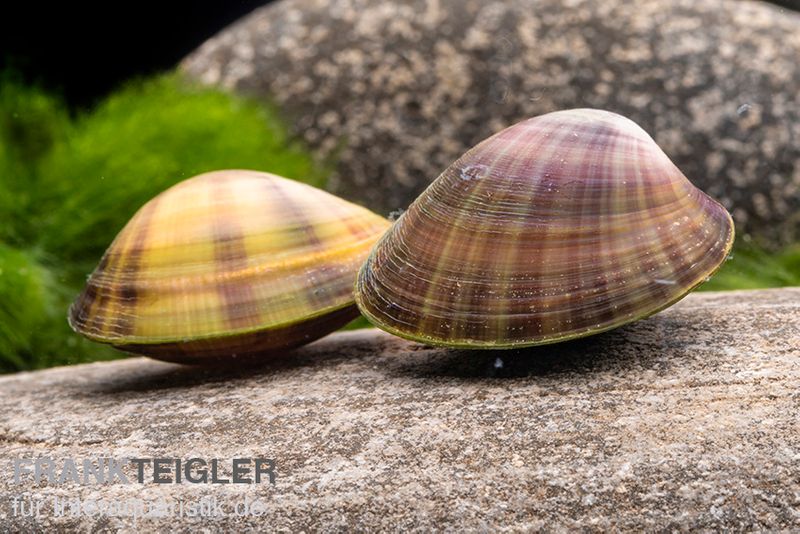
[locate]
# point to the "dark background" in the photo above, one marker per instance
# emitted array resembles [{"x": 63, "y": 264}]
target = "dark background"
[
  {"x": 86, "y": 50},
  {"x": 83, "y": 51}
]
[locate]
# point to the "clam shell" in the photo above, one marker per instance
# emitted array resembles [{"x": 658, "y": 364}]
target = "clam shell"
[
  {"x": 558, "y": 227},
  {"x": 228, "y": 263}
]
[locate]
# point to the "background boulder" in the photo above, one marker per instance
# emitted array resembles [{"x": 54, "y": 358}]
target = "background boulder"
[{"x": 398, "y": 90}]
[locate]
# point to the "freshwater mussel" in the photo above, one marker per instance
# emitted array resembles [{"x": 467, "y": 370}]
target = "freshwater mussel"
[
  {"x": 228, "y": 263},
  {"x": 561, "y": 226}
]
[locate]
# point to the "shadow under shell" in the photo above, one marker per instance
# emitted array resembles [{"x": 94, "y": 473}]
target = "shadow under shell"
[{"x": 249, "y": 347}]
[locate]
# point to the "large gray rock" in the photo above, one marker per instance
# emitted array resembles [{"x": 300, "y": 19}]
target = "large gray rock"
[
  {"x": 398, "y": 90},
  {"x": 689, "y": 420}
]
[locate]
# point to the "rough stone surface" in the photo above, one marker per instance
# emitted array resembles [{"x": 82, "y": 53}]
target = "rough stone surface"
[
  {"x": 398, "y": 90},
  {"x": 688, "y": 420}
]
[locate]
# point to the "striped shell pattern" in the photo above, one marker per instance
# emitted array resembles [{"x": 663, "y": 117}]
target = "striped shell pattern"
[
  {"x": 558, "y": 227},
  {"x": 228, "y": 263}
]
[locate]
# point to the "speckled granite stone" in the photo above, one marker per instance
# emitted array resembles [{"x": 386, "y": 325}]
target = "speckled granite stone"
[
  {"x": 398, "y": 90},
  {"x": 689, "y": 420}
]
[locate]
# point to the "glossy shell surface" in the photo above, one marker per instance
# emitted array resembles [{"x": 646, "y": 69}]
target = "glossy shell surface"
[
  {"x": 228, "y": 263},
  {"x": 561, "y": 226}
]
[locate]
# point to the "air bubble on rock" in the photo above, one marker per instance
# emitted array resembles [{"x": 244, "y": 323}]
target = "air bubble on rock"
[{"x": 743, "y": 109}]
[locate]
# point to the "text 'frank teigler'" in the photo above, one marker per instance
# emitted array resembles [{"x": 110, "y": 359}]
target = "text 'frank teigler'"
[{"x": 143, "y": 471}]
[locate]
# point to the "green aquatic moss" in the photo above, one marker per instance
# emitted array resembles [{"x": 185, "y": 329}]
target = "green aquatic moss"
[
  {"x": 69, "y": 183},
  {"x": 751, "y": 267},
  {"x": 31, "y": 122},
  {"x": 33, "y": 330},
  {"x": 24, "y": 306},
  {"x": 143, "y": 139}
]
